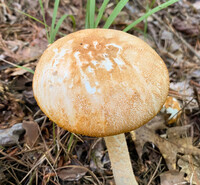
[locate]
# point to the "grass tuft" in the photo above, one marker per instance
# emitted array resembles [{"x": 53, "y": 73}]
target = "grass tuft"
[{"x": 101, "y": 11}]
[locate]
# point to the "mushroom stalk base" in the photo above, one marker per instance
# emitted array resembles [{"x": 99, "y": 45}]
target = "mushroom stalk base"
[{"x": 120, "y": 160}]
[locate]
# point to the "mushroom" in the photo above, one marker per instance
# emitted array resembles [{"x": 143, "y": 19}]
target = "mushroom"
[{"x": 102, "y": 83}]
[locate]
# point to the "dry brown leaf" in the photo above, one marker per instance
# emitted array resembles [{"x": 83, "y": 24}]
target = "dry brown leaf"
[
  {"x": 11, "y": 135},
  {"x": 72, "y": 174},
  {"x": 32, "y": 133},
  {"x": 185, "y": 26},
  {"x": 191, "y": 167},
  {"x": 168, "y": 148},
  {"x": 197, "y": 5},
  {"x": 178, "y": 132},
  {"x": 172, "y": 177}
]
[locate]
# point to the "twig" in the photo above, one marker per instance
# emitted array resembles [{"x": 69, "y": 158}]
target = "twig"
[
  {"x": 155, "y": 172},
  {"x": 13, "y": 158}
]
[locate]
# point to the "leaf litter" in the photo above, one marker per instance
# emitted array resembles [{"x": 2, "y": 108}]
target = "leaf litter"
[{"x": 166, "y": 151}]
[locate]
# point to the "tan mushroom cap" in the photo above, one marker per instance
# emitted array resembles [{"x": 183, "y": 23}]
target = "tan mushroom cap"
[{"x": 100, "y": 82}]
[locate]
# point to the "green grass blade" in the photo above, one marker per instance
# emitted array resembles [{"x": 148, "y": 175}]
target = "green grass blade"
[
  {"x": 70, "y": 142},
  {"x": 73, "y": 22},
  {"x": 145, "y": 21},
  {"x": 101, "y": 11},
  {"x": 54, "y": 133},
  {"x": 92, "y": 13},
  {"x": 115, "y": 13},
  {"x": 152, "y": 3},
  {"x": 87, "y": 14},
  {"x": 55, "y": 10},
  {"x": 154, "y": 10},
  {"x": 35, "y": 19},
  {"x": 43, "y": 15},
  {"x": 25, "y": 68},
  {"x": 59, "y": 24}
]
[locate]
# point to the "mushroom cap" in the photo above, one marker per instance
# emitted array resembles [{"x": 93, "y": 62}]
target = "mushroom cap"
[{"x": 100, "y": 82}]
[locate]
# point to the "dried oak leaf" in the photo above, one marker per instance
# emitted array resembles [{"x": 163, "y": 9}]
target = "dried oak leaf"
[
  {"x": 190, "y": 165},
  {"x": 169, "y": 148}
]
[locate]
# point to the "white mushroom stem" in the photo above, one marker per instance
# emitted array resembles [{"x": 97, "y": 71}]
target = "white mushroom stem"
[{"x": 120, "y": 160}]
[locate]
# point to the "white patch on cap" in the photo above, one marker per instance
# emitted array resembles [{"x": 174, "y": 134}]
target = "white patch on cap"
[
  {"x": 137, "y": 69},
  {"x": 107, "y": 64},
  {"x": 70, "y": 41},
  {"x": 90, "y": 69},
  {"x": 95, "y": 44},
  {"x": 84, "y": 77},
  {"x": 89, "y": 89},
  {"x": 90, "y": 54},
  {"x": 119, "y": 62},
  {"x": 94, "y": 62},
  {"x": 59, "y": 55},
  {"x": 76, "y": 55},
  {"x": 86, "y": 46},
  {"x": 66, "y": 75},
  {"x": 72, "y": 83},
  {"x": 116, "y": 46}
]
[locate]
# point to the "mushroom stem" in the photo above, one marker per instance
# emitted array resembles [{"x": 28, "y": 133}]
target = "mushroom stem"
[{"x": 120, "y": 160}]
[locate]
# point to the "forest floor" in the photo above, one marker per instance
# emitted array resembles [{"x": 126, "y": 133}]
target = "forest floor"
[{"x": 33, "y": 150}]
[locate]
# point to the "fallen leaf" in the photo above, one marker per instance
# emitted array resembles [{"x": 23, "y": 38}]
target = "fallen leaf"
[
  {"x": 196, "y": 5},
  {"x": 29, "y": 98},
  {"x": 191, "y": 167},
  {"x": 186, "y": 27},
  {"x": 72, "y": 174},
  {"x": 10, "y": 136},
  {"x": 177, "y": 133},
  {"x": 32, "y": 133},
  {"x": 172, "y": 177},
  {"x": 168, "y": 149}
]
